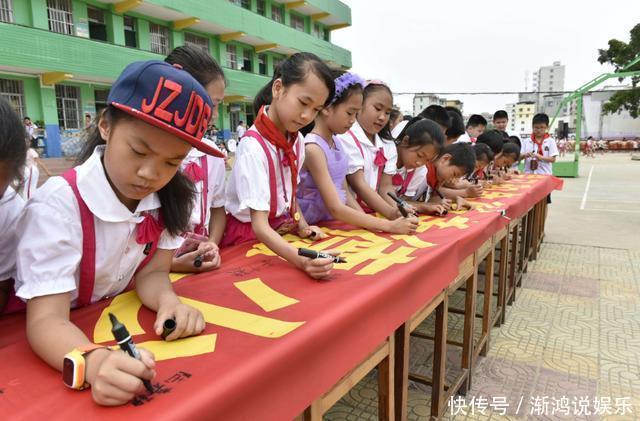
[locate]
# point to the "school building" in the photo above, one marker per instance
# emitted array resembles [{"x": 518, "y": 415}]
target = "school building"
[{"x": 59, "y": 57}]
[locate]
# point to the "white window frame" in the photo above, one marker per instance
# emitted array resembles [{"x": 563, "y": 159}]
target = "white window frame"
[
  {"x": 12, "y": 90},
  {"x": 68, "y": 106},
  {"x": 159, "y": 39},
  {"x": 60, "y": 16},
  {"x": 6, "y": 11}
]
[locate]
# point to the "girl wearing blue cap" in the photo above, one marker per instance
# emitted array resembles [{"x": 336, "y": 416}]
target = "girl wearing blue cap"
[{"x": 85, "y": 235}]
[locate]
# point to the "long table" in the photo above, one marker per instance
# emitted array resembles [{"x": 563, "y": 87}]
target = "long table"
[{"x": 275, "y": 340}]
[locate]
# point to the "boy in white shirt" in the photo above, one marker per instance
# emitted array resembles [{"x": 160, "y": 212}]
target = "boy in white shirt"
[
  {"x": 540, "y": 150},
  {"x": 475, "y": 127}
]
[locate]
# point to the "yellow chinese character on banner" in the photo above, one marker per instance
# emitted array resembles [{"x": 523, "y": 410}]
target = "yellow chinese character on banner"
[{"x": 127, "y": 305}]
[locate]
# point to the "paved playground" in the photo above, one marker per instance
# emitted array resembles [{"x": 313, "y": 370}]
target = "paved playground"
[{"x": 570, "y": 346}]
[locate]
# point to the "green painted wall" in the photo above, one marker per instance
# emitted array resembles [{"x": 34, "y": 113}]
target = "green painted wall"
[
  {"x": 224, "y": 13},
  {"x": 91, "y": 61}
]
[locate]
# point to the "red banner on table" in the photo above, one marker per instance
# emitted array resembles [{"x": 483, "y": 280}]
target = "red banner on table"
[{"x": 275, "y": 339}]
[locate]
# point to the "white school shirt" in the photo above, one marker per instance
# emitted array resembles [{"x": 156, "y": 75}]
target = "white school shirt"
[
  {"x": 358, "y": 162},
  {"x": 464, "y": 138},
  {"x": 549, "y": 148},
  {"x": 248, "y": 185},
  {"x": 398, "y": 129},
  {"x": 418, "y": 184},
  {"x": 216, "y": 175},
  {"x": 11, "y": 205},
  {"x": 50, "y": 232}
]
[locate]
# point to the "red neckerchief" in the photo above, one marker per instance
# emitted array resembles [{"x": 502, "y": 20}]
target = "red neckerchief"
[
  {"x": 432, "y": 175},
  {"x": 270, "y": 132},
  {"x": 403, "y": 182},
  {"x": 533, "y": 137}
]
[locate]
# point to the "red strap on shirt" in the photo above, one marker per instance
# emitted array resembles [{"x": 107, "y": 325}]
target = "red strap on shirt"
[
  {"x": 273, "y": 191},
  {"x": 88, "y": 259},
  {"x": 403, "y": 182}
]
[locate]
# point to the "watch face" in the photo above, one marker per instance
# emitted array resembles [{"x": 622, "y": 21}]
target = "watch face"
[{"x": 67, "y": 372}]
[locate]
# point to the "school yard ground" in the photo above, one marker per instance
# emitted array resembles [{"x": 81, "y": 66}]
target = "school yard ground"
[{"x": 570, "y": 348}]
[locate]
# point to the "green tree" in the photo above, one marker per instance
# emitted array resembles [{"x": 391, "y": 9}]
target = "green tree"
[{"x": 618, "y": 54}]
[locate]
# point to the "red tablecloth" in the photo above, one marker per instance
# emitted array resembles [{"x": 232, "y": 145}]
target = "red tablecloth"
[{"x": 275, "y": 339}]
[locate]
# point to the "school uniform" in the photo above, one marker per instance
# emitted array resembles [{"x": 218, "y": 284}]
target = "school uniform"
[
  {"x": 465, "y": 138},
  {"x": 309, "y": 197},
  {"x": 51, "y": 236},
  {"x": 31, "y": 175},
  {"x": 546, "y": 148},
  {"x": 261, "y": 180},
  {"x": 207, "y": 174},
  {"x": 374, "y": 159},
  {"x": 411, "y": 183},
  {"x": 395, "y": 132},
  {"x": 11, "y": 206}
]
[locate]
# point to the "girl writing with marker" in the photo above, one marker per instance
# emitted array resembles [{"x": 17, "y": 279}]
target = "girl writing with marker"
[
  {"x": 208, "y": 218},
  {"x": 261, "y": 193},
  {"x": 323, "y": 193},
  {"x": 372, "y": 153},
  {"x": 83, "y": 236}
]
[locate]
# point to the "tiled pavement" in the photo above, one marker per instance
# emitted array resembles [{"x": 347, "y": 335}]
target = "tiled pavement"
[{"x": 570, "y": 348}]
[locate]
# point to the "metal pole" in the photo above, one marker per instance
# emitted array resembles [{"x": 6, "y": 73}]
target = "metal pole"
[{"x": 578, "y": 128}]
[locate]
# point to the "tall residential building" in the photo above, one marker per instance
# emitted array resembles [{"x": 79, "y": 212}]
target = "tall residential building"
[
  {"x": 59, "y": 57},
  {"x": 547, "y": 79},
  {"x": 422, "y": 101},
  {"x": 520, "y": 117}
]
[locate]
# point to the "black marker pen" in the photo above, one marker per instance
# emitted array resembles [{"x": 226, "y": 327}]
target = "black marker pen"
[
  {"x": 122, "y": 336},
  {"x": 312, "y": 254},
  {"x": 198, "y": 261},
  {"x": 400, "y": 204}
]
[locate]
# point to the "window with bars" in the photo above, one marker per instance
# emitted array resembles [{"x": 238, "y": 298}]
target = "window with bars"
[
  {"x": 318, "y": 32},
  {"x": 12, "y": 91},
  {"x": 247, "y": 58},
  {"x": 196, "y": 41},
  {"x": 130, "y": 32},
  {"x": 97, "y": 27},
  {"x": 159, "y": 36},
  {"x": 262, "y": 64},
  {"x": 68, "y": 103},
  {"x": 246, "y": 4},
  {"x": 297, "y": 22},
  {"x": 60, "y": 16},
  {"x": 261, "y": 7},
  {"x": 6, "y": 11},
  {"x": 236, "y": 2},
  {"x": 276, "y": 13},
  {"x": 232, "y": 57}
]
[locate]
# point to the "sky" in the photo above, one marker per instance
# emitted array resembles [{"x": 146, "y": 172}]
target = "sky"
[{"x": 480, "y": 46}]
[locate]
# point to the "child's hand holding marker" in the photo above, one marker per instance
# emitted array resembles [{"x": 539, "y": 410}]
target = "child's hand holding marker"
[
  {"x": 318, "y": 264},
  {"x": 189, "y": 321}
]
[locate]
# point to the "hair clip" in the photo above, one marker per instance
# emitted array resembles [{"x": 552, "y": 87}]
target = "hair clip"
[
  {"x": 375, "y": 82},
  {"x": 344, "y": 82}
]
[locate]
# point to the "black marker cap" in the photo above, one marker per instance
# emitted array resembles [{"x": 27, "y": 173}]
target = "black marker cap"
[{"x": 168, "y": 327}]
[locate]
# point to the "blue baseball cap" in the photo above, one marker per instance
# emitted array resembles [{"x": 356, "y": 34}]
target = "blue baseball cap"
[{"x": 167, "y": 97}]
